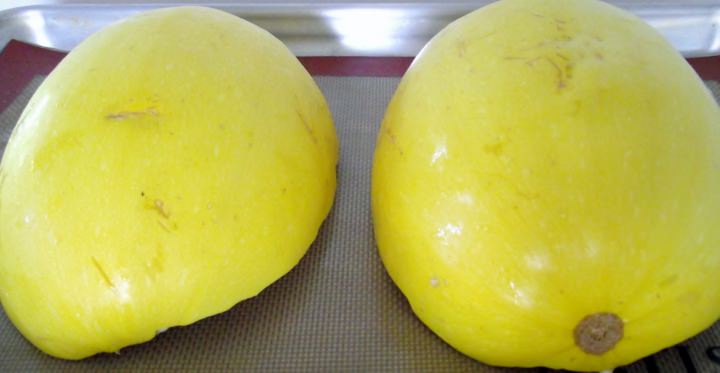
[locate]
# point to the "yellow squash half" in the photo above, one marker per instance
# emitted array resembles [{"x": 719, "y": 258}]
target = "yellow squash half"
[
  {"x": 172, "y": 165},
  {"x": 546, "y": 187}
]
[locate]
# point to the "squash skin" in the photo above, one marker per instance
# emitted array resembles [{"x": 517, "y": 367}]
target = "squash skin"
[
  {"x": 173, "y": 164},
  {"x": 544, "y": 161}
]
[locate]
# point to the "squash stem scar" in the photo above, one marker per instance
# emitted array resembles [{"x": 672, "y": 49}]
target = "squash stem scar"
[{"x": 598, "y": 333}]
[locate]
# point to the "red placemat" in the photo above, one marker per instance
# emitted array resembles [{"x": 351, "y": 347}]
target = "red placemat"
[{"x": 20, "y": 62}]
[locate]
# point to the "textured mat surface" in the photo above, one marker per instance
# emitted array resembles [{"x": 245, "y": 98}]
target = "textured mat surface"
[{"x": 337, "y": 310}]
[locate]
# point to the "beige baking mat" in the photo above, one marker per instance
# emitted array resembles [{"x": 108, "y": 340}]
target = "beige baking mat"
[{"x": 337, "y": 311}]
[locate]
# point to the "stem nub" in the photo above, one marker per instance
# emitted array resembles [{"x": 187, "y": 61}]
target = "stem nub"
[{"x": 598, "y": 333}]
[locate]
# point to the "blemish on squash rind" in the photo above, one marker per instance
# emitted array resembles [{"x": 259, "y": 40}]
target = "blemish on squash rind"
[
  {"x": 103, "y": 274},
  {"x": 160, "y": 208},
  {"x": 393, "y": 139},
  {"x": 495, "y": 149},
  {"x": 163, "y": 225},
  {"x": 125, "y": 115},
  {"x": 307, "y": 127}
]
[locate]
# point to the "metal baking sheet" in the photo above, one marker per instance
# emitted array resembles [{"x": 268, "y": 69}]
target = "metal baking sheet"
[
  {"x": 337, "y": 310},
  {"x": 348, "y": 29}
]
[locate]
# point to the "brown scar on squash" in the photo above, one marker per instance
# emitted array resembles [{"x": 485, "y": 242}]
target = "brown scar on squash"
[
  {"x": 306, "y": 126},
  {"x": 164, "y": 225},
  {"x": 159, "y": 206},
  {"x": 463, "y": 44},
  {"x": 563, "y": 73},
  {"x": 393, "y": 140},
  {"x": 561, "y": 81},
  {"x": 562, "y": 56},
  {"x": 103, "y": 274},
  {"x": 125, "y": 115}
]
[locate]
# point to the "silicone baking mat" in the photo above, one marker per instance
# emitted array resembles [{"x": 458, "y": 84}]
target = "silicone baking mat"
[{"x": 337, "y": 310}]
